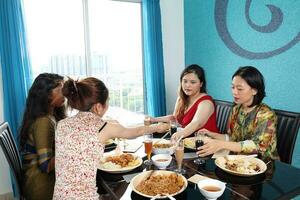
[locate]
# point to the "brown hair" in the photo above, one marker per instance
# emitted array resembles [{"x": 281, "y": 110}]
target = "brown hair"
[
  {"x": 183, "y": 98},
  {"x": 83, "y": 94}
]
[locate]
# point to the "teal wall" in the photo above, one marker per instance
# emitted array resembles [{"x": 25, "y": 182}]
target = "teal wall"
[{"x": 220, "y": 39}]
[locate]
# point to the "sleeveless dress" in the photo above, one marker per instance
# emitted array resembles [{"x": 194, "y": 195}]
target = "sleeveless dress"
[
  {"x": 211, "y": 123},
  {"x": 78, "y": 152}
]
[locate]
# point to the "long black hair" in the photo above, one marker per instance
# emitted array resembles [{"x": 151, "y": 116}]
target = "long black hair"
[{"x": 38, "y": 102}]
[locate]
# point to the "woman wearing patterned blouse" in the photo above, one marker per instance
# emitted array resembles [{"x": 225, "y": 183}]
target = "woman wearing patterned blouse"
[
  {"x": 252, "y": 124},
  {"x": 44, "y": 107},
  {"x": 80, "y": 140}
]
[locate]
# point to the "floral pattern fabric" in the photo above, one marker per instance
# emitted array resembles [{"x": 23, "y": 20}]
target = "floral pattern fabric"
[
  {"x": 256, "y": 130},
  {"x": 78, "y": 152}
]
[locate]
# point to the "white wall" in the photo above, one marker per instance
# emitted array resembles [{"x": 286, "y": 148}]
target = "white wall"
[
  {"x": 172, "y": 16},
  {"x": 5, "y": 183}
]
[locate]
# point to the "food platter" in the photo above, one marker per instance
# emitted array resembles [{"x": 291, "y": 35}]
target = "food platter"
[
  {"x": 189, "y": 143},
  {"x": 241, "y": 165},
  {"x": 110, "y": 162},
  {"x": 164, "y": 180}
]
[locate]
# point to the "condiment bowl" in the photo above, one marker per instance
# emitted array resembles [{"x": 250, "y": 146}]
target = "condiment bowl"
[
  {"x": 161, "y": 161},
  {"x": 211, "y": 188}
]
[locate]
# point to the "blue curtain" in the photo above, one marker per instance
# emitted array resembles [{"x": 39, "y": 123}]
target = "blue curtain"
[
  {"x": 154, "y": 83},
  {"x": 14, "y": 62}
]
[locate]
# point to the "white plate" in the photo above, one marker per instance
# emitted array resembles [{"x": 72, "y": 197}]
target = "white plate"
[
  {"x": 144, "y": 175},
  {"x": 119, "y": 170},
  {"x": 220, "y": 162}
]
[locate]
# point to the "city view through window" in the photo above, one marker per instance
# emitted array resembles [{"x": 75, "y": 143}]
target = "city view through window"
[{"x": 106, "y": 44}]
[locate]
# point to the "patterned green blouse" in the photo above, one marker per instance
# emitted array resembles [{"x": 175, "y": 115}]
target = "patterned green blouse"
[{"x": 256, "y": 130}]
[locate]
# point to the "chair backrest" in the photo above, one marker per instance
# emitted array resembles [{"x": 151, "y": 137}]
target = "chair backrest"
[
  {"x": 223, "y": 109},
  {"x": 287, "y": 129},
  {"x": 11, "y": 153}
]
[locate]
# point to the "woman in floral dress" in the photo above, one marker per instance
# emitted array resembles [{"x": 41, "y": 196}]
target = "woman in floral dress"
[
  {"x": 79, "y": 140},
  {"x": 252, "y": 124}
]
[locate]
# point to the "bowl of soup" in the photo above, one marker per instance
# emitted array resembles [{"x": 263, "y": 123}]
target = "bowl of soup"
[
  {"x": 161, "y": 161},
  {"x": 211, "y": 188}
]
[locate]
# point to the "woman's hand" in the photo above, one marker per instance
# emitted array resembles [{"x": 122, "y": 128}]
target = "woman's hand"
[
  {"x": 177, "y": 135},
  {"x": 210, "y": 147},
  {"x": 162, "y": 127}
]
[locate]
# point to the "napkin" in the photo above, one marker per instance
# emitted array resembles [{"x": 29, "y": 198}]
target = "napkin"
[
  {"x": 128, "y": 177},
  {"x": 132, "y": 146},
  {"x": 221, "y": 153},
  {"x": 196, "y": 178},
  {"x": 190, "y": 155}
]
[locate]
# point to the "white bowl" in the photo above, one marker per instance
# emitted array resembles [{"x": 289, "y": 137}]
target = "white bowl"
[
  {"x": 206, "y": 187},
  {"x": 161, "y": 161},
  {"x": 157, "y": 150}
]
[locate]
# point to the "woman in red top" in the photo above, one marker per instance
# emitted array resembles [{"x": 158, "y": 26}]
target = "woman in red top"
[{"x": 194, "y": 109}]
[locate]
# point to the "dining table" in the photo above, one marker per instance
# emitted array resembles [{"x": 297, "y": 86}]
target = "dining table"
[{"x": 279, "y": 181}]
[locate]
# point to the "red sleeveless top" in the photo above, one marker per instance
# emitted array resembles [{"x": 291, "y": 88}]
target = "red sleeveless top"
[{"x": 211, "y": 123}]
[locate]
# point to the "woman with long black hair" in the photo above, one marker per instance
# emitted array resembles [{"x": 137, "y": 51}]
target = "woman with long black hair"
[{"x": 44, "y": 108}]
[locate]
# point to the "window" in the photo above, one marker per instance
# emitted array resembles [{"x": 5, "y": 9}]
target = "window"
[{"x": 80, "y": 38}]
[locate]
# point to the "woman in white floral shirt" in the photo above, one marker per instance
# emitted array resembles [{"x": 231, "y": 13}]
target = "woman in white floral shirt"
[{"x": 79, "y": 140}]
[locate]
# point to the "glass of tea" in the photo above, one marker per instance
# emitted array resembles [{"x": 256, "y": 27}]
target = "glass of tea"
[
  {"x": 198, "y": 143},
  {"x": 179, "y": 153},
  {"x": 148, "y": 140}
]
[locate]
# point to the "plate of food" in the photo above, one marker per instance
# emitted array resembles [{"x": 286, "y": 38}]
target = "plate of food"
[
  {"x": 162, "y": 146},
  {"x": 158, "y": 183},
  {"x": 190, "y": 143},
  {"x": 119, "y": 163},
  {"x": 241, "y": 165}
]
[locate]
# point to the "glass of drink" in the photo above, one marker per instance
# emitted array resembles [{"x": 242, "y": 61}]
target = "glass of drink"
[
  {"x": 198, "y": 143},
  {"x": 148, "y": 140},
  {"x": 179, "y": 152},
  {"x": 147, "y": 121}
]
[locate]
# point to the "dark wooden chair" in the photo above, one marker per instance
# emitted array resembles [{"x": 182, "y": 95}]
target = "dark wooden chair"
[
  {"x": 223, "y": 109},
  {"x": 12, "y": 155},
  {"x": 287, "y": 128}
]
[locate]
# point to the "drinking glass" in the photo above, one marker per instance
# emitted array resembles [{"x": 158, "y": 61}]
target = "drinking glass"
[
  {"x": 148, "y": 140},
  {"x": 179, "y": 152},
  {"x": 147, "y": 121},
  {"x": 198, "y": 143}
]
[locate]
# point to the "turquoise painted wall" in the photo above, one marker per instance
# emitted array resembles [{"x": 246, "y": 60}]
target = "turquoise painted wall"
[{"x": 219, "y": 38}]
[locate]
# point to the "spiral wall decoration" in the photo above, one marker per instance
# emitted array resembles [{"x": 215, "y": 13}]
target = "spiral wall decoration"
[{"x": 272, "y": 26}]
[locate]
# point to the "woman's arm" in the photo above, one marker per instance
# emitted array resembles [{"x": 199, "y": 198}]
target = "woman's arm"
[
  {"x": 114, "y": 130},
  {"x": 204, "y": 110},
  {"x": 43, "y": 135},
  {"x": 166, "y": 119},
  {"x": 213, "y": 145}
]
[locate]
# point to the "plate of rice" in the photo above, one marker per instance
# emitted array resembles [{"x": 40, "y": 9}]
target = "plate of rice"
[{"x": 119, "y": 163}]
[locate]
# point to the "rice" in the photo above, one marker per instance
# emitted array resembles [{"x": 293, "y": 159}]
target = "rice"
[{"x": 111, "y": 165}]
